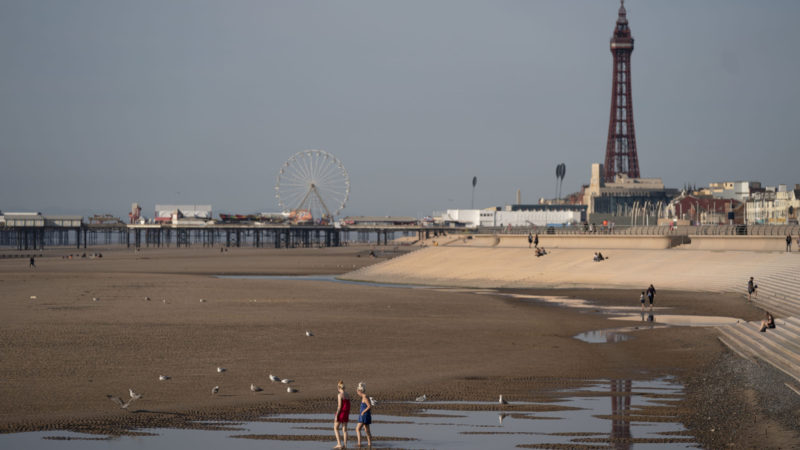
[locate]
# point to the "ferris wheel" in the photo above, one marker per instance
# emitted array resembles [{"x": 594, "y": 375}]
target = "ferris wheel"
[{"x": 314, "y": 181}]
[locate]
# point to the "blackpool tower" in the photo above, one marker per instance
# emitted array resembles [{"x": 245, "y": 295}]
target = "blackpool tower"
[{"x": 621, "y": 155}]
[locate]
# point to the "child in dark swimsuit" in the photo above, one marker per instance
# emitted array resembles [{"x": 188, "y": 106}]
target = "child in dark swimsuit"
[
  {"x": 342, "y": 415},
  {"x": 365, "y": 416}
]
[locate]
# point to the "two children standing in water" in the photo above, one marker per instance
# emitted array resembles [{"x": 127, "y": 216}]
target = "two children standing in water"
[{"x": 343, "y": 415}]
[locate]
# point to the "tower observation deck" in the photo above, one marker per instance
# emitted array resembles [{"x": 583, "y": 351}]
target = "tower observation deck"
[{"x": 621, "y": 157}]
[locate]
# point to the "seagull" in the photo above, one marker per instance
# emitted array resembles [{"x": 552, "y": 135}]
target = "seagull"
[
  {"x": 220, "y": 369},
  {"x": 255, "y": 388},
  {"x": 273, "y": 378},
  {"x": 291, "y": 390},
  {"x": 422, "y": 398},
  {"x": 214, "y": 390},
  {"x": 309, "y": 333},
  {"x": 163, "y": 377},
  {"x": 373, "y": 401},
  {"x": 134, "y": 395},
  {"x": 202, "y": 300},
  {"x": 94, "y": 299},
  {"x": 501, "y": 401},
  {"x": 120, "y": 403},
  {"x": 286, "y": 381},
  {"x": 147, "y": 299}
]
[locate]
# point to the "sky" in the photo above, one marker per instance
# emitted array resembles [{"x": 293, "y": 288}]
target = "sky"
[{"x": 108, "y": 102}]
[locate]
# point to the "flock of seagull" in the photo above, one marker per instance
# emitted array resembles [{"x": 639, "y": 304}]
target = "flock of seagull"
[{"x": 215, "y": 390}]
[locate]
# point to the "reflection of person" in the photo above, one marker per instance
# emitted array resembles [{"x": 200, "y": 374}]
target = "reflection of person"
[
  {"x": 342, "y": 415},
  {"x": 365, "y": 415},
  {"x": 751, "y": 289}
]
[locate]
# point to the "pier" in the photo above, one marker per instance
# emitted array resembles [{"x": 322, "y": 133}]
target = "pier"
[{"x": 36, "y": 235}]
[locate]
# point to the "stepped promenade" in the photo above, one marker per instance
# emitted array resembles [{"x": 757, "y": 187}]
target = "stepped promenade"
[{"x": 633, "y": 263}]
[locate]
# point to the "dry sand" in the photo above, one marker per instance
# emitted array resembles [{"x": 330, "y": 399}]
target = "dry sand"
[{"x": 62, "y": 352}]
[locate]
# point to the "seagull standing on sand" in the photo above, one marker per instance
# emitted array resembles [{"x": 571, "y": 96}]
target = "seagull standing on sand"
[
  {"x": 255, "y": 388},
  {"x": 274, "y": 378},
  {"x": 309, "y": 333},
  {"x": 214, "y": 390},
  {"x": 422, "y": 398},
  {"x": 287, "y": 381},
  {"x": 163, "y": 377},
  {"x": 501, "y": 401},
  {"x": 220, "y": 369},
  {"x": 373, "y": 401},
  {"x": 291, "y": 390}
]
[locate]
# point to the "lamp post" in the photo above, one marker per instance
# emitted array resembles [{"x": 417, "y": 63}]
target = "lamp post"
[{"x": 474, "y": 182}]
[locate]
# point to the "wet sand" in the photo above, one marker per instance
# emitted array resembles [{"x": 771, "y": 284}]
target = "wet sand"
[{"x": 62, "y": 352}]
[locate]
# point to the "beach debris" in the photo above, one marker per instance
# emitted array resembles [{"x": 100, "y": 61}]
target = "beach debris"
[
  {"x": 134, "y": 395},
  {"x": 221, "y": 369},
  {"x": 422, "y": 398},
  {"x": 502, "y": 401},
  {"x": 273, "y": 378},
  {"x": 255, "y": 388},
  {"x": 286, "y": 381},
  {"x": 291, "y": 390},
  {"x": 214, "y": 390},
  {"x": 164, "y": 377},
  {"x": 309, "y": 333},
  {"x": 33, "y": 297},
  {"x": 118, "y": 401}
]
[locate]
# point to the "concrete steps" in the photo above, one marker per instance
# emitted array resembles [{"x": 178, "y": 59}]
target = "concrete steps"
[{"x": 779, "y": 347}]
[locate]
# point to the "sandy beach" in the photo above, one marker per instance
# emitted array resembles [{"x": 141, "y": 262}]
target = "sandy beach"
[{"x": 77, "y": 330}]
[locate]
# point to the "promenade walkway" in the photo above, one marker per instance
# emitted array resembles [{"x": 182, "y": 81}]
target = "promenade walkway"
[{"x": 484, "y": 264}]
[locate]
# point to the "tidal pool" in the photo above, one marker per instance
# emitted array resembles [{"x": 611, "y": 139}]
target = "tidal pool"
[{"x": 627, "y": 414}]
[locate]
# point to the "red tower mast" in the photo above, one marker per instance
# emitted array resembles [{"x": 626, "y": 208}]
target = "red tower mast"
[{"x": 621, "y": 145}]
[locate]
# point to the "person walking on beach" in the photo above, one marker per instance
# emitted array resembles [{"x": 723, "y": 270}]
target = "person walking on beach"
[
  {"x": 365, "y": 415},
  {"x": 651, "y": 293},
  {"x": 530, "y": 240},
  {"x": 751, "y": 289},
  {"x": 342, "y": 415},
  {"x": 33, "y": 262},
  {"x": 789, "y": 243},
  {"x": 536, "y": 240},
  {"x": 641, "y": 299}
]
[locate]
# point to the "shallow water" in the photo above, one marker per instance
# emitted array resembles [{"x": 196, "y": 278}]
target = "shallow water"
[{"x": 602, "y": 413}]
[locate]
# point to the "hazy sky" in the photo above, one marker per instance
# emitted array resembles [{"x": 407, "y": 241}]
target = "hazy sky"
[{"x": 106, "y": 102}]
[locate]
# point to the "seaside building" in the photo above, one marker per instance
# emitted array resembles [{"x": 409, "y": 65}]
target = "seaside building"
[
  {"x": 705, "y": 210},
  {"x": 515, "y": 216},
  {"x": 774, "y": 205},
  {"x": 186, "y": 214},
  {"x": 625, "y": 200}
]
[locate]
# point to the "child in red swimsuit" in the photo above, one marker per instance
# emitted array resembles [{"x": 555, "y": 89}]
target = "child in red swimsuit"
[{"x": 342, "y": 415}]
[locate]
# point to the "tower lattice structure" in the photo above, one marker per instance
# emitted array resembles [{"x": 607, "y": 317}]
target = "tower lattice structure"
[{"x": 621, "y": 154}]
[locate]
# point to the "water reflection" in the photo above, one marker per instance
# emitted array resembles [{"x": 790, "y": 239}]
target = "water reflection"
[
  {"x": 577, "y": 417},
  {"x": 620, "y": 413}
]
